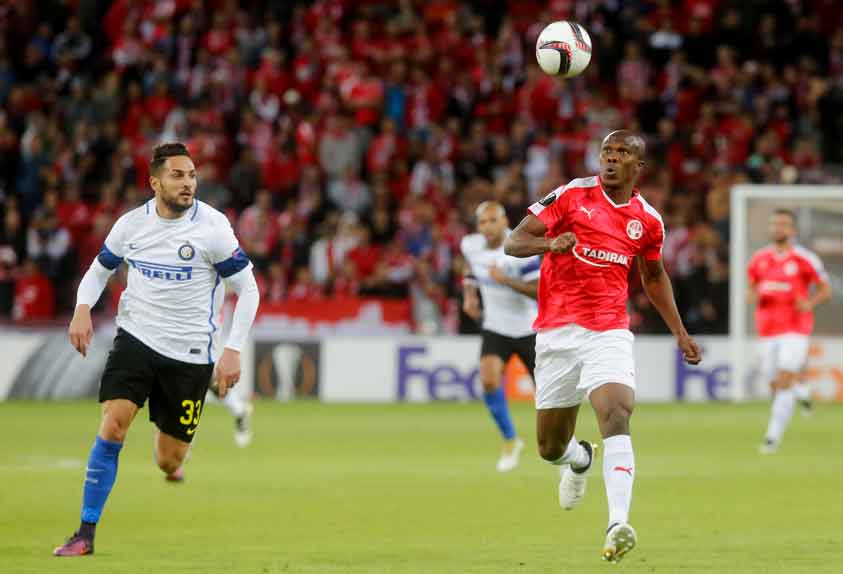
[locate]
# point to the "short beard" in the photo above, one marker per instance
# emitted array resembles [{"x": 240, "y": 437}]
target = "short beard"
[{"x": 174, "y": 206}]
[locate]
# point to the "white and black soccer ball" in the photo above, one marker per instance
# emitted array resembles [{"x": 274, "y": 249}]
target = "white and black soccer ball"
[{"x": 563, "y": 49}]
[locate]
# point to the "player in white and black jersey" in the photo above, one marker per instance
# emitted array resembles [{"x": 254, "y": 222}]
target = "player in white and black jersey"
[
  {"x": 508, "y": 288},
  {"x": 182, "y": 255}
]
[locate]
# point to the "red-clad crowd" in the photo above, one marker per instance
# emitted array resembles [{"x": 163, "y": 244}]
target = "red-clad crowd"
[{"x": 349, "y": 141}]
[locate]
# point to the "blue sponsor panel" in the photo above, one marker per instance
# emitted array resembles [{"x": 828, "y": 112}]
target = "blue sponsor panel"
[
  {"x": 421, "y": 376},
  {"x": 711, "y": 379}
]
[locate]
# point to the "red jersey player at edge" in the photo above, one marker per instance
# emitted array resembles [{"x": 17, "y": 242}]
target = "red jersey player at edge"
[
  {"x": 590, "y": 231},
  {"x": 780, "y": 280}
]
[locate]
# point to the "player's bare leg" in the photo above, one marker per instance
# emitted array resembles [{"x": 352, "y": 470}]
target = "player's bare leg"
[
  {"x": 170, "y": 454},
  {"x": 613, "y": 404},
  {"x": 784, "y": 401},
  {"x": 100, "y": 474},
  {"x": 558, "y": 446},
  {"x": 491, "y": 373},
  {"x": 241, "y": 410},
  {"x": 803, "y": 391}
]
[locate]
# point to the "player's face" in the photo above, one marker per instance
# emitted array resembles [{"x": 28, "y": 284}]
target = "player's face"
[
  {"x": 782, "y": 228},
  {"x": 175, "y": 183},
  {"x": 492, "y": 223},
  {"x": 619, "y": 161}
]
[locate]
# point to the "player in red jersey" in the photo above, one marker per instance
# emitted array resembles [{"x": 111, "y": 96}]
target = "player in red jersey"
[
  {"x": 780, "y": 279},
  {"x": 590, "y": 233}
]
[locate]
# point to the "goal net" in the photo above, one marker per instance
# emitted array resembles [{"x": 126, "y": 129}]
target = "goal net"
[{"x": 819, "y": 218}]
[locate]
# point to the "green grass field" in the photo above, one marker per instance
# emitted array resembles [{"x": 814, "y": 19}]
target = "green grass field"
[{"x": 412, "y": 488}]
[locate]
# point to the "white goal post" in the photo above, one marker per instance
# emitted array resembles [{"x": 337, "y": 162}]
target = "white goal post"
[{"x": 819, "y": 214}]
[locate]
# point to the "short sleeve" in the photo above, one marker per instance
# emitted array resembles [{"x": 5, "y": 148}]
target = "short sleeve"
[
  {"x": 813, "y": 269},
  {"x": 653, "y": 250},
  {"x": 112, "y": 251},
  {"x": 552, "y": 209},
  {"x": 226, "y": 255}
]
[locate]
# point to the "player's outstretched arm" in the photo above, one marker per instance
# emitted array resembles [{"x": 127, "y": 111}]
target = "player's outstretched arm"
[
  {"x": 528, "y": 288},
  {"x": 660, "y": 291},
  {"x": 820, "y": 296},
  {"x": 227, "y": 372},
  {"x": 470, "y": 300},
  {"x": 93, "y": 283},
  {"x": 529, "y": 239}
]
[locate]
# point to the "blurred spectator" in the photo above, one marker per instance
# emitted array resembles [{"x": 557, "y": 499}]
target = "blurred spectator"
[
  {"x": 349, "y": 143},
  {"x": 350, "y": 193},
  {"x": 303, "y": 287},
  {"x": 340, "y": 149},
  {"x": 34, "y": 298}
]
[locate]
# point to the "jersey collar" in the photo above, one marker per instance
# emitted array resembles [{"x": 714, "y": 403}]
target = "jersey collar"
[{"x": 609, "y": 199}]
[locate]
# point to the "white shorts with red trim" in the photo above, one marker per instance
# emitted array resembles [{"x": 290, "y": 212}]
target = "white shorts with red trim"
[{"x": 572, "y": 361}]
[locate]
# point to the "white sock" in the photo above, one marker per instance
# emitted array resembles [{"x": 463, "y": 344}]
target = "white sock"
[
  {"x": 618, "y": 474},
  {"x": 235, "y": 404},
  {"x": 803, "y": 391},
  {"x": 780, "y": 414},
  {"x": 575, "y": 455}
]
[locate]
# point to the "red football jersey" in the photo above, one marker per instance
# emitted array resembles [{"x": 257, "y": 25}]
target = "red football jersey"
[
  {"x": 589, "y": 285},
  {"x": 780, "y": 280}
]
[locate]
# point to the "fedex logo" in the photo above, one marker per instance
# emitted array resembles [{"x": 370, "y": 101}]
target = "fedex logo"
[
  {"x": 421, "y": 378},
  {"x": 714, "y": 379},
  {"x": 161, "y": 271}
]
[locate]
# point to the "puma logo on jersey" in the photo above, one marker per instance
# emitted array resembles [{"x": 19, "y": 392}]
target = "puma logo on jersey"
[
  {"x": 600, "y": 255},
  {"x": 587, "y": 211},
  {"x": 626, "y": 469}
]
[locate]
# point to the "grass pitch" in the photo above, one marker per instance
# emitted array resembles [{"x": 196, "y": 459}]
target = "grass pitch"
[{"x": 404, "y": 489}]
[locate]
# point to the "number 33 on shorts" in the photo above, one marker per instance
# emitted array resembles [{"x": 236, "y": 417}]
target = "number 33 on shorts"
[{"x": 192, "y": 412}]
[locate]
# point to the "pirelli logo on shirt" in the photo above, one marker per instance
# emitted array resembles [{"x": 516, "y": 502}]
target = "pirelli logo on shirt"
[
  {"x": 592, "y": 256},
  {"x": 161, "y": 271}
]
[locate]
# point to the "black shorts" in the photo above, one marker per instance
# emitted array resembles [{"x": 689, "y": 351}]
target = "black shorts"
[
  {"x": 176, "y": 390},
  {"x": 504, "y": 347}
]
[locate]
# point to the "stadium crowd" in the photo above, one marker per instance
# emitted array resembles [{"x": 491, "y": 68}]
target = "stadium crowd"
[{"x": 349, "y": 141}]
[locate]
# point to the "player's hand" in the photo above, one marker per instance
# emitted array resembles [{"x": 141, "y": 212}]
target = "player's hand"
[
  {"x": 689, "y": 348},
  {"x": 227, "y": 372},
  {"x": 81, "y": 330},
  {"x": 471, "y": 307},
  {"x": 563, "y": 243},
  {"x": 804, "y": 305},
  {"x": 497, "y": 274}
]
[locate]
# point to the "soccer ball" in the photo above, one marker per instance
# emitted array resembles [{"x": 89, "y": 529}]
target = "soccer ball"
[{"x": 563, "y": 49}]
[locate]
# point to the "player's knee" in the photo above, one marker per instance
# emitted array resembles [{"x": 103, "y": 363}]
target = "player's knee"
[
  {"x": 169, "y": 462},
  {"x": 550, "y": 449},
  {"x": 114, "y": 430},
  {"x": 615, "y": 419},
  {"x": 490, "y": 383}
]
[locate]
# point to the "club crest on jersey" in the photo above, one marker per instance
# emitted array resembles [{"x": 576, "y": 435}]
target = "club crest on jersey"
[
  {"x": 186, "y": 252},
  {"x": 791, "y": 268},
  {"x": 634, "y": 229}
]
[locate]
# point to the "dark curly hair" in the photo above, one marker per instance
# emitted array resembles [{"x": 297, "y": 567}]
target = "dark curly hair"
[{"x": 164, "y": 151}]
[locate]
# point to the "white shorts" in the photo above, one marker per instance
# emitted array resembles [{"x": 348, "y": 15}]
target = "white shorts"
[
  {"x": 572, "y": 361},
  {"x": 788, "y": 352}
]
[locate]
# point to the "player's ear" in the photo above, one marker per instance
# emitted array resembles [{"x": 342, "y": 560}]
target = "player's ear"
[{"x": 154, "y": 183}]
